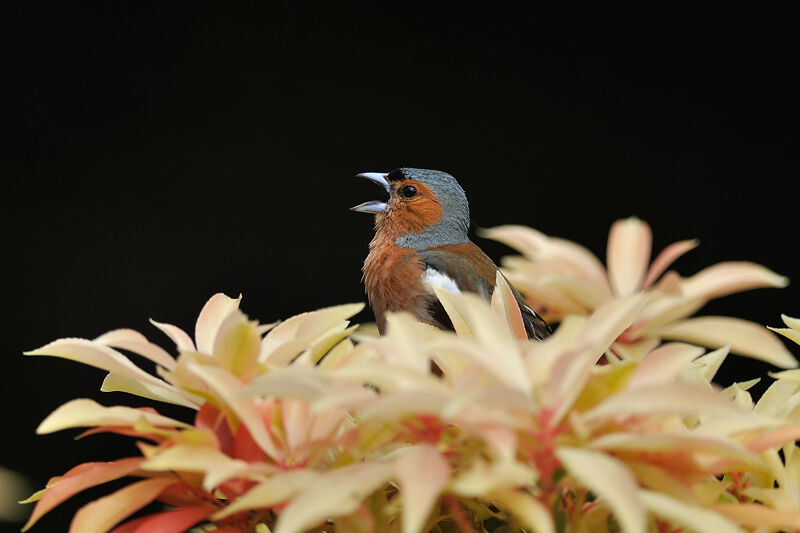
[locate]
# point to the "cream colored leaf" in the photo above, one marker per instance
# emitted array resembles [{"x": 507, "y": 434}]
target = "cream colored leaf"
[
  {"x": 675, "y": 398},
  {"x": 695, "y": 518},
  {"x": 274, "y": 490},
  {"x": 459, "y": 321},
  {"x": 101, "y": 515},
  {"x": 531, "y": 513},
  {"x": 729, "y": 277},
  {"x": 305, "y": 327},
  {"x": 498, "y": 351},
  {"x": 629, "y": 247},
  {"x": 791, "y": 334},
  {"x": 704, "y": 368},
  {"x": 589, "y": 293},
  {"x": 664, "y": 364},
  {"x": 237, "y": 345},
  {"x": 484, "y": 477},
  {"x": 505, "y": 304},
  {"x": 166, "y": 393},
  {"x": 294, "y": 381},
  {"x": 744, "y": 337},
  {"x": 667, "y": 256},
  {"x": 759, "y": 516},
  {"x": 97, "y": 355},
  {"x": 422, "y": 473},
  {"x": 336, "y": 493},
  {"x": 133, "y": 341},
  {"x": 83, "y": 412},
  {"x": 684, "y": 443},
  {"x": 793, "y": 323},
  {"x": 610, "y": 480},
  {"x": 211, "y": 317},
  {"x": 779, "y": 399}
]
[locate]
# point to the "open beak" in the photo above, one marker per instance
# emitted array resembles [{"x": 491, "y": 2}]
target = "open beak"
[{"x": 375, "y": 206}]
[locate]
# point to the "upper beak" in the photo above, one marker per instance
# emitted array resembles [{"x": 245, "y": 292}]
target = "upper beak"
[{"x": 375, "y": 206}]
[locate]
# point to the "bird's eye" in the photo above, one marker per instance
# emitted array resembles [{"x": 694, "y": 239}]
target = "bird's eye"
[{"x": 409, "y": 191}]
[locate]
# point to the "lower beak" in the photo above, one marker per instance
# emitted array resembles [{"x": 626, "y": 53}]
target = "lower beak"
[{"x": 374, "y": 206}]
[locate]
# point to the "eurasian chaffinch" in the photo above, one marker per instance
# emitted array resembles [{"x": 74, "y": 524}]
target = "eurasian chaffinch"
[{"x": 421, "y": 241}]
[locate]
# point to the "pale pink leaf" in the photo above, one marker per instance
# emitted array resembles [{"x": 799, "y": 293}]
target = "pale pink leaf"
[
  {"x": 422, "y": 473},
  {"x": 629, "y": 246},
  {"x": 664, "y": 364},
  {"x": 610, "y": 480},
  {"x": 79, "y": 478},
  {"x": 211, "y": 317},
  {"x": 589, "y": 293},
  {"x": 83, "y": 412},
  {"x": 692, "y": 517},
  {"x": 667, "y": 256},
  {"x": 228, "y": 388},
  {"x": 680, "y": 443},
  {"x": 537, "y": 245},
  {"x": 97, "y": 355},
  {"x": 101, "y": 515},
  {"x": 729, "y": 277},
  {"x": 173, "y": 521},
  {"x": 133, "y": 341},
  {"x": 181, "y": 339},
  {"x": 744, "y": 337}
]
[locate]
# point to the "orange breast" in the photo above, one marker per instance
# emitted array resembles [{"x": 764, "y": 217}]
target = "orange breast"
[{"x": 393, "y": 280}]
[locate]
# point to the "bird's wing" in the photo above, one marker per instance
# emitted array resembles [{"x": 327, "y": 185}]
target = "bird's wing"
[{"x": 471, "y": 270}]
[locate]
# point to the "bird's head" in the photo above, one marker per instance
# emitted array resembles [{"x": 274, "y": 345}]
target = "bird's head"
[{"x": 425, "y": 208}]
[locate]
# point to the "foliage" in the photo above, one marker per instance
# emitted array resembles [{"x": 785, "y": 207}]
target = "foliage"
[{"x": 307, "y": 425}]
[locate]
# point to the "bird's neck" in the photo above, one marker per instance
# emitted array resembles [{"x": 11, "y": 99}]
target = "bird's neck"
[{"x": 394, "y": 230}]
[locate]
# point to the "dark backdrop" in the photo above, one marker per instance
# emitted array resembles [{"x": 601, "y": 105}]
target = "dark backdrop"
[{"x": 157, "y": 155}]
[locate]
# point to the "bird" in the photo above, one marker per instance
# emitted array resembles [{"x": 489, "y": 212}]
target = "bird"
[{"x": 421, "y": 241}]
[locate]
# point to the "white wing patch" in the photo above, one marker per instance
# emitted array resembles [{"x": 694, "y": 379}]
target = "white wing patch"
[{"x": 433, "y": 278}]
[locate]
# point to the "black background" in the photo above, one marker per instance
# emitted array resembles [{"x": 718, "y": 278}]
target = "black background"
[{"x": 157, "y": 155}]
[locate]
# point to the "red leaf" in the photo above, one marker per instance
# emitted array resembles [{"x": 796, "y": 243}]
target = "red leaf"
[
  {"x": 245, "y": 448},
  {"x": 79, "y": 478},
  {"x": 212, "y": 418},
  {"x": 174, "y": 521}
]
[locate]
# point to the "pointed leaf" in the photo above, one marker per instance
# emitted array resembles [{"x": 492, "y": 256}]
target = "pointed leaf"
[
  {"x": 729, "y": 277},
  {"x": 531, "y": 513},
  {"x": 275, "y": 490},
  {"x": 167, "y": 393},
  {"x": 101, "y": 515},
  {"x": 422, "y": 473},
  {"x": 629, "y": 244},
  {"x": 228, "y": 388},
  {"x": 211, "y": 317},
  {"x": 664, "y": 364},
  {"x": 609, "y": 479},
  {"x": 97, "y": 355},
  {"x": 133, "y": 341},
  {"x": 675, "y": 398},
  {"x": 79, "y": 478},
  {"x": 172, "y": 521},
  {"x": 692, "y": 517},
  {"x": 667, "y": 256},
  {"x": 336, "y": 493},
  {"x": 83, "y": 412},
  {"x": 759, "y": 516},
  {"x": 504, "y": 303},
  {"x": 744, "y": 337},
  {"x": 237, "y": 344},
  {"x": 181, "y": 339}
]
